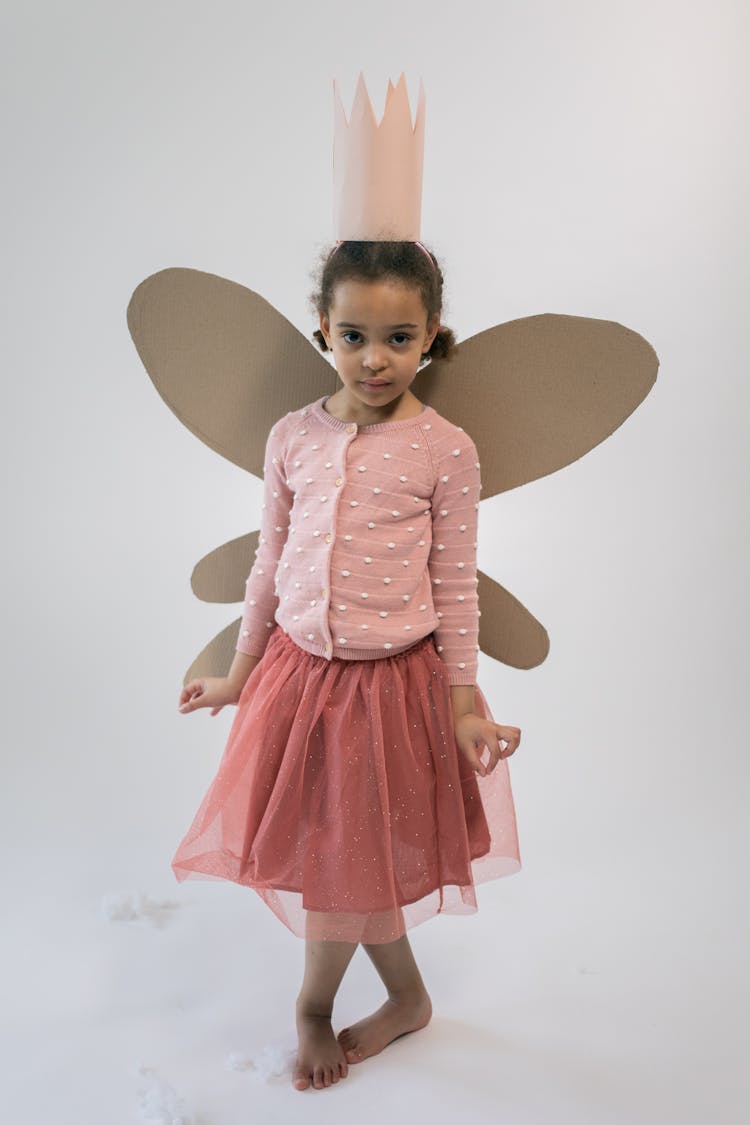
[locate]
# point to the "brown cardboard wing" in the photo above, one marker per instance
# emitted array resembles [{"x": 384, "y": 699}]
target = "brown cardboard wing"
[
  {"x": 224, "y": 360},
  {"x": 217, "y": 656},
  {"x": 534, "y": 394},
  {"x": 537, "y": 393},
  {"x": 507, "y": 631},
  {"x": 220, "y": 575}
]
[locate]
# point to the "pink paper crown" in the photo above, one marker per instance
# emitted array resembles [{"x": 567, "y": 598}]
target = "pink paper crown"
[{"x": 377, "y": 169}]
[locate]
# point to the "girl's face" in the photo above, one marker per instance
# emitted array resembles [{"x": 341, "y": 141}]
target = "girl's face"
[{"x": 378, "y": 332}]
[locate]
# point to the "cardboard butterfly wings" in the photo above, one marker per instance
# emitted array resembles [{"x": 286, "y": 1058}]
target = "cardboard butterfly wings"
[{"x": 534, "y": 394}]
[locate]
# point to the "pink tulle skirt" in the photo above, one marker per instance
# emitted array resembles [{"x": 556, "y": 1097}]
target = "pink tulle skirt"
[{"x": 343, "y": 799}]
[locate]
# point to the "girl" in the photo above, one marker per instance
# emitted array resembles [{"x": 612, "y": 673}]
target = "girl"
[{"x": 352, "y": 794}]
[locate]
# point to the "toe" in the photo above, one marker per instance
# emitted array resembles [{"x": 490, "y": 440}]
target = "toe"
[{"x": 301, "y": 1080}]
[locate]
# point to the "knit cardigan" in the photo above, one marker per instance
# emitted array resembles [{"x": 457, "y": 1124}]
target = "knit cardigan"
[{"x": 368, "y": 539}]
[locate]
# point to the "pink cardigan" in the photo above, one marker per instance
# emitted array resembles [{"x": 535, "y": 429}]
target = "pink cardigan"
[{"x": 368, "y": 539}]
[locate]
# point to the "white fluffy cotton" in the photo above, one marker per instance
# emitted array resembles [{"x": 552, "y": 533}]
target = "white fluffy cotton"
[
  {"x": 269, "y": 1061},
  {"x": 158, "y": 1101},
  {"x": 136, "y": 906}
]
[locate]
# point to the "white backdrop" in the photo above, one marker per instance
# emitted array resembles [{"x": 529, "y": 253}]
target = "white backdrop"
[{"x": 587, "y": 158}]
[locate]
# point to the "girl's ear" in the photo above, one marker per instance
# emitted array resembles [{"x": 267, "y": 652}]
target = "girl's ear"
[
  {"x": 433, "y": 326},
  {"x": 325, "y": 328}
]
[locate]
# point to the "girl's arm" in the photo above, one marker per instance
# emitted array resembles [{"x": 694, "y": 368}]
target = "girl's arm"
[
  {"x": 217, "y": 691},
  {"x": 452, "y": 561},
  {"x": 473, "y": 733},
  {"x": 242, "y": 666},
  {"x": 462, "y": 700},
  {"x": 261, "y": 600}
]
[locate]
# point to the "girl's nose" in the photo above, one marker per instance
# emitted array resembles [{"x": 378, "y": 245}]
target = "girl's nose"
[{"x": 374, "y": 359}]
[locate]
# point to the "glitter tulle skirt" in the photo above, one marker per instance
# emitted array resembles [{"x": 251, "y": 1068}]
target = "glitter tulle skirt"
[{"x": 343, "y": 799}]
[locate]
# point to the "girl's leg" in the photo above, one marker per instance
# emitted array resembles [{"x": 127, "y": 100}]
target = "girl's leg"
[
  {"x": 320, "y": 1057},
  {"x": 407, "y": 1008}
]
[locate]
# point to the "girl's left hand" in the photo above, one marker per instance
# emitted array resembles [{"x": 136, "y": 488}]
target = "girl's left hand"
[{"x": 473, "y": 733}]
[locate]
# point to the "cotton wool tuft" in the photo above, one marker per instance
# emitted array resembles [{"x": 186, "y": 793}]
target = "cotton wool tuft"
[
  {"x": 136, "y": 906},
  {"x": 158, "y": 1101},
  {"x": 269, "y": 1061}
]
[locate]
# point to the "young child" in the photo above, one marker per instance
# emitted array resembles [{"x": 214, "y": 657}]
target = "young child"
[{"x": 350, "y": 795}]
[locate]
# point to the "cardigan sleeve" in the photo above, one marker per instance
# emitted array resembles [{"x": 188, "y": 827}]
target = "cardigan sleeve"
[
  {"x": 261, "y": 599},
  {"x": 452, "y": 560}
]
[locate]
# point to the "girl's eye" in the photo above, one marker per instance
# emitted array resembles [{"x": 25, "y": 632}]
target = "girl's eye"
[{"x": 354, "y": 337}]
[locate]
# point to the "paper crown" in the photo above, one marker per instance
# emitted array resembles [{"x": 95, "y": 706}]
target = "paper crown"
[{"x": 377, "y": 169}]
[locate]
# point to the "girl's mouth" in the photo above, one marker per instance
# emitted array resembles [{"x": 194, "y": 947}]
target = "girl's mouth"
[{"x": 375, "y": 384}]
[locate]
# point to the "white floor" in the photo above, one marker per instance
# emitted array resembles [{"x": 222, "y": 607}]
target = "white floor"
[{"x": 569, "y": 998}]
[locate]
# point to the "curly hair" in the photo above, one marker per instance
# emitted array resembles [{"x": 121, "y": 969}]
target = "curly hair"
[{"x": 375, "y": 261}]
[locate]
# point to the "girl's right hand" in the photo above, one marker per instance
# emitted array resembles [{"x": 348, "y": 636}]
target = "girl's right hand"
[{"x": 209, "y": 691}]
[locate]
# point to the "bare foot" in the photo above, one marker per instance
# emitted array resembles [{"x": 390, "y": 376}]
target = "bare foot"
[
  {"x": 396, "y": 1017},
  {"x": 320, "y": 1057}
]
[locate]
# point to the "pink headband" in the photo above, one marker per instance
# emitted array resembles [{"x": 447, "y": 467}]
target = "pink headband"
[{"x": 425, "y": 251}]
